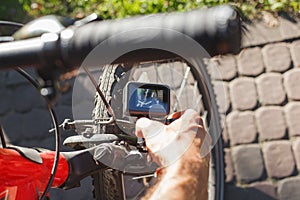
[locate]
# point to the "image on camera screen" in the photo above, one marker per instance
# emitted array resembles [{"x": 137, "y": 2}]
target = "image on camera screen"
[{"x": 149, "y": 99}]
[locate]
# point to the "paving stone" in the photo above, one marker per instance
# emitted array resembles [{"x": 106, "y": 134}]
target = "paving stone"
[
  {"x": 270, "y": 34},
  {"x": 295, "y": 52},
  {"x": 241, "y": 127},
  {"x": 146, "y": 74},
  {"x": 292, "y": 115},
  {"x": 225, "y": 137},
  {"x": 172, "y": 73},
  {"x": 291, "y": 83},
  {"x": 132, "y": 188},
  {"x": 276, "y": 57},
  {"x": 46, "y": 142},
  {"x": 66, "y": 96},
  {"x": 80, "y": 88},
  {"x": 250, "y": 38},
  {"x": 3, "y": 75},
  {"x": 296, "y": 150},
  {"x": 63, "y": 112},
  {"x": 13, "y": 126},
  {"x": 270, "y": 123},
  {"x": 85, "y": 191},
  {"x": 288, "y": 29},
  {"x": 222, "y": 120},
  {"x": 36, "y": 124},
  {"x": 229, "y": 170},
  {"x": 270, "y": 89},
  {"x": 288, "y": 189},
  {"x": 83, "y": 89},
  {"x": 279, "y": 159},
  {"x": 14, "y": 78},
  {"x": 234, "y": 192},
  {"x": 224, "y": 134},
  {"x": 266, "y": 187},
  {"x": 250, "y": 62},
  {"x": 243, "y": 93},
  {"x": 25, "y": 97},
  {"x": 259, "y": 33},
  {"x": 189, "y": 98},
  {"x": 248, "y": 162},
  {"x": 83, "y": 110},
  {"x": 222, "y": 95},
  {"x": 223, "y": 67},
  {"x": 5, "y": 103}
]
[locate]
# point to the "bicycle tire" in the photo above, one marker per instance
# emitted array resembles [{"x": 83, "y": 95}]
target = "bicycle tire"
[
  {"x": 216, "y": 179},
  {"x": 107, "y": 183}
]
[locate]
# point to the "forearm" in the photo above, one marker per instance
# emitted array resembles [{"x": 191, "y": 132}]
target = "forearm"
[{"x": 187, "y": 178}]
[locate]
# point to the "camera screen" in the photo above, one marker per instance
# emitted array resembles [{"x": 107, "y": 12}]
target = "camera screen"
[{"x": 148, "y": 99}]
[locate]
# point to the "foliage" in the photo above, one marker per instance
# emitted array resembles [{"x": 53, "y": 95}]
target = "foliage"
[
  {"x": 11, "y": 9},
  {"x": 123, "y": 8}
]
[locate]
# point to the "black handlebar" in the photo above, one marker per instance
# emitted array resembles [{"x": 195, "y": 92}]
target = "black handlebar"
[{"x": 216, "y": 29}]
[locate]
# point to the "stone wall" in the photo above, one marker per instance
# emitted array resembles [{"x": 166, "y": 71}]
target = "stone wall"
[{"x": 262, "y": 130}]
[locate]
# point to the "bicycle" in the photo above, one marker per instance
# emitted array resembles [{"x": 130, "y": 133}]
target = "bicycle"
[{"x": 69, "y": 47}]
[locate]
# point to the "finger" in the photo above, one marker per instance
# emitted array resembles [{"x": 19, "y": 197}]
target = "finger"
[
  {"x": 140, "y": 125},
  {"x": 190, "y": 118},
  {"x": 146, "y": 128},
  {"x": 205, "y": 146}
]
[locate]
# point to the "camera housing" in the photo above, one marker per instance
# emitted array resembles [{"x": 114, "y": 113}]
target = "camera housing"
[{"x": 146, "y": 99}]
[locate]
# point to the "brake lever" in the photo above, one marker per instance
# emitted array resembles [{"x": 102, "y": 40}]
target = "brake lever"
[
  {"x": 90, "y": 18},
  {"x": 154, "y": 175},
  {"x": 76, "y": 124}
]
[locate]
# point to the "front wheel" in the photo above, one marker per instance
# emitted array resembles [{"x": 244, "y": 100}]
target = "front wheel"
[{"x": 191, "y": 88}]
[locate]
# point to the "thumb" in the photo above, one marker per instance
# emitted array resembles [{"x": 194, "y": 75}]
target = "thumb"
[{"x": 146, "y": 128}]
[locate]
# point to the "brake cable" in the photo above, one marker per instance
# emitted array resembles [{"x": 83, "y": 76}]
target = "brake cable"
[
  {"x": 9, "y": 23},
  {"x": 56, "y": 127},
  {"x": 107, "y": 105}
]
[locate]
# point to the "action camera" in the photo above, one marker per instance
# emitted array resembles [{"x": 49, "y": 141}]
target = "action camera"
[{"x": 147, "y": 99}]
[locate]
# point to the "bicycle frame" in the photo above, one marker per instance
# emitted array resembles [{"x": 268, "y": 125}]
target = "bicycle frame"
[{"x": 21, "y": 178}]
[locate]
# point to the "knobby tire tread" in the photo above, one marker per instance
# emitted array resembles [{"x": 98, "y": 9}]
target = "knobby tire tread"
[{"x": 107, "y": 183}]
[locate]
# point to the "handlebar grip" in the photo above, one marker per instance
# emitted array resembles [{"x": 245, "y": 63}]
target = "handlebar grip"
[
  {"x": 20, "y": 53},
  {"x": 35, "y": 52},
  {"x": 217, "y": 29}
]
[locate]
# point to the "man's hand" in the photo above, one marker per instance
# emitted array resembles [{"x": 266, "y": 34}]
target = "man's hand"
[
  {"x": 167, "y": 143},
  {"x": 176, "y": 147}
]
